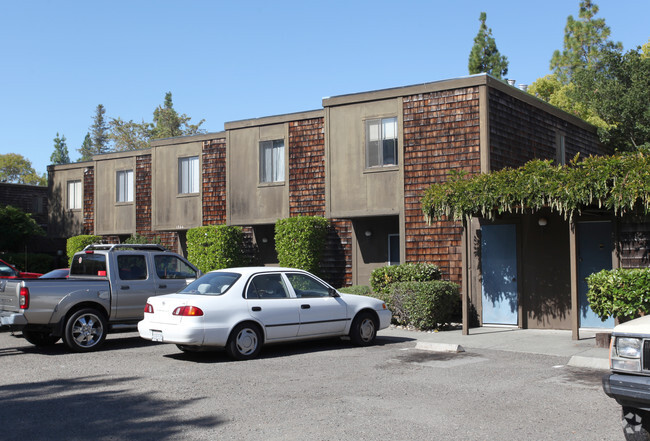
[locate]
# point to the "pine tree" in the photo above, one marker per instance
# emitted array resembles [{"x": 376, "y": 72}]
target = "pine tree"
[
  {"x": 86, "y": 149},
  {"x": 99, "y": 131},
  {"x": 484, "y": 56},
  {"x": 167, "y": 123},
  {"x": 60, "y": 154}
]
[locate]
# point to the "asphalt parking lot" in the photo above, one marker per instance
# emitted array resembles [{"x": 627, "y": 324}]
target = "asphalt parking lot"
[{"x": 325, "y": 390}]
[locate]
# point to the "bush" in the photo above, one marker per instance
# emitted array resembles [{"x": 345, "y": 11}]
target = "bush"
[
  {"x": 30, "y": 262},
  {"x": 382, "y": 278},
  {"x": 78, "y": 243},
  {"x": 215, "y": 247},
  {"x": 300, "y": 241},
  {"x": 619, "y": 293},
  {"x": 138, "y": 238},
  {"x": 426, "y": 305},
  {"x": 360, "y": 290}
]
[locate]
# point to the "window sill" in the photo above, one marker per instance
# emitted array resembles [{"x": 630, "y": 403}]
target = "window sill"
[
  {"x": 188, "y": 195},
  {"x": 271, "y": 184},
  {"x": 387, "y": 168}
]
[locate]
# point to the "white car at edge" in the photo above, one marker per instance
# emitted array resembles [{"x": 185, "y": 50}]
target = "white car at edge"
[{"x": 240, "y": 309}]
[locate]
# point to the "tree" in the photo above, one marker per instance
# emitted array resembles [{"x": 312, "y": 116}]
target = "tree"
[
  {"x": 86, "y": 149},
  {"x": 99, "y": 131},
  {"x": 167, "y": 123},
  {"x": 484, "y": 56},
  {"x": 585, "y": 40},
  {"x": 129, "y": 135},
  {"x": 617, "y": 89},
  {"x": 60, "y": 154},
  {"x": 16, "y": 227},
  {"x": 18, "y": 169}
]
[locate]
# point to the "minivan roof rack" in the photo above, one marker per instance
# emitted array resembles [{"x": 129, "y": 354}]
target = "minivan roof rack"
[{"x": 130, "y": 246}]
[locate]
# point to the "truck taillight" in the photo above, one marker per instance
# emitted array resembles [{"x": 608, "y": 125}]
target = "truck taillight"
[
  {"x": 24, "y": 298},
  {"x": 188, "y": 311},
  {"x": 148, "y": 308}
]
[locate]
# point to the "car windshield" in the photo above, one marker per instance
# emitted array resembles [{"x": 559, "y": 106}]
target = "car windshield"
[{"x": 211, "y": 284}]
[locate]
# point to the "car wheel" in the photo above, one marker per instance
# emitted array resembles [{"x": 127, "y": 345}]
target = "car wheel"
[
  {"x": 635, "y": 424},
  {"x": 245, "y": 342},
  {"x": 40, "y": 338},
  {"x": 363, "y": 330},
  {"x": 85, "y": 330}
]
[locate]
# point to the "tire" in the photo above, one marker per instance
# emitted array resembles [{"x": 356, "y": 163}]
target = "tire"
[
  {"x": 635, "y": 424},
  {"x": 364, "y": 329},
  {"x": 245, "y": 342},
  {"x": 85, "y": 330},
  {"x": 40, "y": 338}
]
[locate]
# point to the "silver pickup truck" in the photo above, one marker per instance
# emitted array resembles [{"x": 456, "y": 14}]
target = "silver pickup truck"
[{"x": 107, "y": 288}]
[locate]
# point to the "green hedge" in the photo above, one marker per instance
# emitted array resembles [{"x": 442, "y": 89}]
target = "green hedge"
[
  {"x": 425, "y": 305},
  {"x": 215, "y": 247},
  {"x": 619, "y": 293},
  {"x": 382, "y": 278},
  {"x": 78, "y": 243},
  {"x": 300, "y": 241},
  {"x": 30, "y": 262},
  {"x": 360, "y": 290}
]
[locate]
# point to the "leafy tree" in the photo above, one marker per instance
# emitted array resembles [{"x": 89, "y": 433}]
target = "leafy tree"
[
  {"x": 60, "y": 154},
  {"x": 129, "y": 135},
  {"x": 86, "y": 149},
  {"x": 585, "y": 40},
  {"x": 618, "y": 91},
  {"x": 484, "y": 56},
  {"x": 99, "y": 131},
  {"x": 16, "y": 227},
  {"x": 167, "y": 123},
  {"x": 18, "y": 169}
]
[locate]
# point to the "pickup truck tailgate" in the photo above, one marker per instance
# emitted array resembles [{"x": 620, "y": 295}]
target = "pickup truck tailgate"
[{"x": 9, "y": 295}]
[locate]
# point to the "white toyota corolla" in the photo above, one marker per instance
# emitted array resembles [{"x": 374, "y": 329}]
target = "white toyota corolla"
[{"x": 240, "y": 309}]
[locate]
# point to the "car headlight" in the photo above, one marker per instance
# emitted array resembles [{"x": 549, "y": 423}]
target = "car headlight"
[{"x": 628, "y": 347}]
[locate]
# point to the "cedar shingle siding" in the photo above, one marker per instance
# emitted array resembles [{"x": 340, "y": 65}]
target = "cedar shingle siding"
[
  {"x": 214, "y": 182},
  {"x": 307, "y": 167}
]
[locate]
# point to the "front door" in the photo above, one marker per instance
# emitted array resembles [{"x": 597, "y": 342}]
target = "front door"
[
  {"x": 594, "y": 254},
  {"x": 499, "y": 274}
]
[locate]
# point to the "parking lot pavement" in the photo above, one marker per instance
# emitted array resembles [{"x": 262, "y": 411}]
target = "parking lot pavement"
[{"x": 580, "y": 353}]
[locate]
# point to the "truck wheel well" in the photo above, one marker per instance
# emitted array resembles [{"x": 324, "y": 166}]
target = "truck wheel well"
[{"x": 61, "y": 325}]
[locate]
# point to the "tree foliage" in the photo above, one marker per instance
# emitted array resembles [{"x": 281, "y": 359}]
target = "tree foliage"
[
  {"x": 484, "y": 56},
  {"x": 167, "y": 123},
  {"x": 129, "y": 135},
  {"x": 99, "y": 131},
  {"x": 60, "y": 154},
  {"x": 16, "y": 227},
  {"x": 585, "y": 40},
  {"x": 86, "y": 149},
  {"x": 17, "y": 169}
]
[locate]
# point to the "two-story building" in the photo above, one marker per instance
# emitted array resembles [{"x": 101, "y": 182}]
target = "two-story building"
[{"x": 363, "y": 161}]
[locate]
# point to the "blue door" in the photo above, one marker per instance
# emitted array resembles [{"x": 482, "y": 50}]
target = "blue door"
[
  {"x": 594, "y": 254},
  {"x": 499, "y": 274}
]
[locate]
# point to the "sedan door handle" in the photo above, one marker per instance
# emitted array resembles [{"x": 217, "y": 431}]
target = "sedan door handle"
[
  {"x": 305, "y": 306},
  {"x": 256, "y": 308},
  {"x": 162, "y": 286},
  {"x": 124, "y": 287}
]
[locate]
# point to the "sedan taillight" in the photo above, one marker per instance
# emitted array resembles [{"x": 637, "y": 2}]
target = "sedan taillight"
[
  {"x": 24, "y": 297},
  {"x": 188, "y": 311},
  {"x": 148, "y": 308}
]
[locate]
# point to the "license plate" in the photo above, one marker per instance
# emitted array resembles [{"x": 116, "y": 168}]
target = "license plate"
[{"x": 156, "y": 336}]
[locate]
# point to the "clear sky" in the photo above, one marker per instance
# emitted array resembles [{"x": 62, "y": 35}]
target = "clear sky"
[{"x": 227, "y": 61}]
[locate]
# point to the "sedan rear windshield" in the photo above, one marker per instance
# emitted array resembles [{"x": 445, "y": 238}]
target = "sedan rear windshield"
[{"x": 211, "y": 284}]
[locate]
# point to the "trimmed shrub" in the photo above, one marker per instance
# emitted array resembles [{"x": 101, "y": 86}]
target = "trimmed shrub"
[
  {"x": 300, "y": 241},
  {"x": 619, "y": 293},
  {"x": 30, "y": 262},
  {"x": 215, "y": 247},
  {"x": 360, "y": 290},
  {"x": 426, "y": 305},
  {"x": 138, "y": 238},
  {"x": 78, "y": 243},
  {"x": 382, "y": 278}
]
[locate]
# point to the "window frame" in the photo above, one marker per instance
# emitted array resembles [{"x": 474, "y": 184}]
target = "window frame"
[
  {"x": 124, "y": 195},
  {"x": 190, "y": 184},
  {"x": 75, "y": 194},
  {"x": 275, "y": 177},
  {"x": 381, "y": 140}
]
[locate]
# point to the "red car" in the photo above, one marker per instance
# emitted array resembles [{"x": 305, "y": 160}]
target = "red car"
[{"x": 9, "y": 272}]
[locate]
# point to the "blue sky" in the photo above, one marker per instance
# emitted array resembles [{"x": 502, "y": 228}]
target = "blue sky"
[{"x": 226, "y": 61}]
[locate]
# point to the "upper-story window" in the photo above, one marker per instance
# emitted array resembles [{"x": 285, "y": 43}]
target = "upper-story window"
[
  {"x": 74, "y": 195},
  {"x": 188, "y": 175},
  {"x": 272, "y": 161},
  {"x": 124, "y": 187},
  {"x": 381, "y": 142}
]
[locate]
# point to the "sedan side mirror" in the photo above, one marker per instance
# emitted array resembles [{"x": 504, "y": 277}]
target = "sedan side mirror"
[{"x": 333, "y": 293}]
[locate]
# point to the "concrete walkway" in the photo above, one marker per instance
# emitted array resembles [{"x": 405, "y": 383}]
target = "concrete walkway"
[{"x": 581, "y": 353}]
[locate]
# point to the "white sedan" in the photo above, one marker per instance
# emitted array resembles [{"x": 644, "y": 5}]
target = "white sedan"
[{"x": 240, "y": 309}]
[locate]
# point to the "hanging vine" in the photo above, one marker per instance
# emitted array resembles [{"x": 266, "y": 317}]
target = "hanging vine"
[{"x": 619, "y": 183}]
